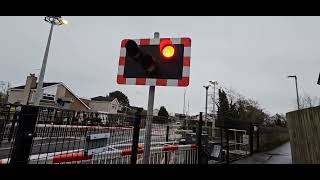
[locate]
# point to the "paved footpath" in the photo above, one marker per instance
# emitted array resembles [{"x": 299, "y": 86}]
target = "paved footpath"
[{"x": 278, "y": 155}]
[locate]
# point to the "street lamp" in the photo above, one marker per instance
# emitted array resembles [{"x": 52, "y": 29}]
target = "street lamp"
[
  {"x": 214, "y": 83},
  {"x": 205, "y": 113},
  {"x": 295, "y": 77},
  {"x": 53, "y": 20}
]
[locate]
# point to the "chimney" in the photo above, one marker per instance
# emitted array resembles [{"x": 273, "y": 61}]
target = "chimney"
[{"x": 31, "y": 83}]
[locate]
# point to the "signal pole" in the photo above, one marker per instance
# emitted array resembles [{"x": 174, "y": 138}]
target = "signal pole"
[
  {"x": 147, "y": 139},
  {"x": 184, "y": 100}
]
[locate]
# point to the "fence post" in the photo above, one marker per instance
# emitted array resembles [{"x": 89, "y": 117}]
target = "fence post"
[
  {"x": 251, "y": 138},
  {"x": 4, "y": 122},
  {"x": 202, "y": 157},
  {"x": 258, "y": 138},
  {"x": 167, "y": 139},
  {"x": 227, "y": 148},
  {"x": 14, "y": 121},
  {"x": 135, "y": 137},
  {"x": 221, "y": 143},
  {"x": 25, "y": 132}
]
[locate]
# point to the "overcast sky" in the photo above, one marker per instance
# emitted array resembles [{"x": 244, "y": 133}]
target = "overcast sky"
[{"x": 253, "y": 55}]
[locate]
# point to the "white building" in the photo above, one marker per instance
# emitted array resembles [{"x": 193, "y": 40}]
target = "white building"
[
  {"x": 103, "y": 104},
  {"x": 155, "y": 112},
  {"x": 55, "y": 94}
]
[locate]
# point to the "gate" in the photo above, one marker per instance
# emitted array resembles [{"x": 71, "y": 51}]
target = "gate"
[
  {"x": 237, "y": 140},
  {"x": 229, "y": 141}
]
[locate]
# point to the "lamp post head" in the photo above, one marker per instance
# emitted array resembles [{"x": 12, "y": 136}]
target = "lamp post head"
[
  {"x": 292, "y": 76},
  {"x": 206, "y": 86},
  {"x": 56, "y": 20},
  {"x": 213, "y": 82},
  {"x": 64, "y": 21}
]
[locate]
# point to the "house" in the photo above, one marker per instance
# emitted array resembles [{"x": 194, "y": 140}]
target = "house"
[
  {"x": 131, "y": 110},
  {"x": 55, "y": 94},
  {"x": 155, "y": 112},
  {"x": 103, "y": 104}
]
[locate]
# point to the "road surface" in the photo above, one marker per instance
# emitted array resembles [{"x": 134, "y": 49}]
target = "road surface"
[{"x": 278, "y": 155}]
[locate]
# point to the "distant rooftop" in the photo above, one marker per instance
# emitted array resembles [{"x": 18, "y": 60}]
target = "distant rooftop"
[
  {"x": 45, "y": 84},
  {"x": 103, "y": 98}
]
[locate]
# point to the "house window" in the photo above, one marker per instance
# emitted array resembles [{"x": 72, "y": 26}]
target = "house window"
[{"x": 48, "y": 97}]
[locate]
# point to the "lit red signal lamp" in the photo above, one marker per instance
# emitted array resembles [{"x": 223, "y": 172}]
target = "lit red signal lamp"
[{"x": 167, "y": 49}]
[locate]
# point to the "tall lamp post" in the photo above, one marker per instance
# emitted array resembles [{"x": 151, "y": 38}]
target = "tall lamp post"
[
  {"x": 214, "y": 83},
  {"x": 205, "y": 113},
  {"x": 53, "y": 20},
  {"x": 295, "y": 78}
]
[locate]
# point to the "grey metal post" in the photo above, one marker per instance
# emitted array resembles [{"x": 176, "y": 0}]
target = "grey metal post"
[
  {"x": 205, "y": 113},
  {"x": 147, "y": 139},
  {"x": 184, "y": 97},
  {"x": 214, "y": 99},
  {"x": 295, "y": 78},
  {"x": 214, "y": 110},
  {"x": 38, "y": 94},
  {"x": 205, "y": 116},
  {"x": 297, "y": 92},
  {"x": 199, "y": 143}
]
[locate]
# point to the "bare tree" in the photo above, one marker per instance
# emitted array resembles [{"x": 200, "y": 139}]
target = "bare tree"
[
  {"x": 307, "y": 101},
  {"x": 4, "y": 91},
  {"x": 242, "y": 108},
  {"x": 232, "y": 95}
]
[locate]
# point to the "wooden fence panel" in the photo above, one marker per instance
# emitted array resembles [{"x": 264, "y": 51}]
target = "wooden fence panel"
[{"x": 304, "y": 131}]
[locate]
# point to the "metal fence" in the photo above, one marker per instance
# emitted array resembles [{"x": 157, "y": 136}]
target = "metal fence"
[
  {"x": 224, "y": 143},
  {"x": 9, "y": 115},
  {"x": 174, "y": 151},
  {"x": 46, "y": 135}
]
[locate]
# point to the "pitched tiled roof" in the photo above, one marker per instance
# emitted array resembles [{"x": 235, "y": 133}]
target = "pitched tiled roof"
[
  {"x": 45, "y": 84},
  {"x": 103, "y": 98}
]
